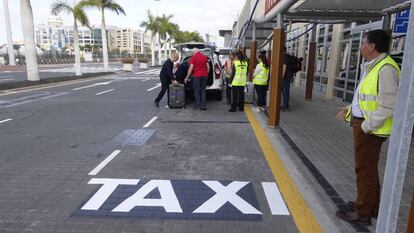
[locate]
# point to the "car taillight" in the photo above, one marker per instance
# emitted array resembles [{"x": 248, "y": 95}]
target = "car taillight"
[{"x": 217, "y": 71}]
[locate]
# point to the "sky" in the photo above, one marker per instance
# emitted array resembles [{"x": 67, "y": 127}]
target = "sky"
[{"x": 208, "y": 16}]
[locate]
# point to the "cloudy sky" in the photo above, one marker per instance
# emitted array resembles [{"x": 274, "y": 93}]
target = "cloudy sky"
[{"x": 204, "y": 16}]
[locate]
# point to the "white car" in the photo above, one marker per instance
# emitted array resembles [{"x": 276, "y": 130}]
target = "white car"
[{"x": 215, "y": 76}]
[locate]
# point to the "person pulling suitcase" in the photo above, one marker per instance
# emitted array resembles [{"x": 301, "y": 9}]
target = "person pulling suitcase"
[{"x": 166, "y": 77}]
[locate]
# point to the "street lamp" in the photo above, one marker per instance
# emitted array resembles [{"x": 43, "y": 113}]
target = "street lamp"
[{"x": 157, "y": 5}]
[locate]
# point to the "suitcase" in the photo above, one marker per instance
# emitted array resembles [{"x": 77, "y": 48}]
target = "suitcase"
[
  {"x": 249, "y": 93},
  {"x": 176, "y": 96}
]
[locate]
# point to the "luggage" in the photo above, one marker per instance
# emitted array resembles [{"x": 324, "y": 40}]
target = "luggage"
[
  {"x": 249, "y": 93},
  {"x": 176, "y": 96}
]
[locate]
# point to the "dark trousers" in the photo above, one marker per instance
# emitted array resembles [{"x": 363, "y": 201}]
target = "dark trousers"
[
  {"x": 228, "y": 91},
  {"x": 237, "y": 97},
  {"x": 286, "y": 91},
  {"x": 199, "y": 86},
  {"x": 165, "y": 83},
  {"x": 261, "y": 95},
  {"x": 367, "y": 148}
]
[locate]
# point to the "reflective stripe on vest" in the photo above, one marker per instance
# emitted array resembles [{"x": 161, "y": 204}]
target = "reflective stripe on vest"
[
  {"x": 261, "y": 78},
  {"x": 240, "y": 75},
  {"x": 368, "y": 93}
]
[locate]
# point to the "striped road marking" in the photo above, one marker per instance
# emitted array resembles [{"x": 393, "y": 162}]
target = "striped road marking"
[
  {"x": 104, "y": 163},
  {"x": 152, "y": 88},
  {"x": 100, "y": 93},
  {"x": 150, "y": 122},
  {"x": 3, "y": 121}
]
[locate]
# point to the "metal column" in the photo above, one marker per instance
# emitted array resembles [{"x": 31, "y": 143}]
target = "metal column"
[
  {"x": 253, "y": 48},
  {"x": 400, "y": 140}
]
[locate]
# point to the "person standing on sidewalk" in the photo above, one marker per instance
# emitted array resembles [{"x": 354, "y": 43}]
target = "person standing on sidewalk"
[
  {"x": 239, "y": 76},
  {"x": 166, "y": 77},
  {"x": 261, "y": 75},
  {"x": 228, "y": 70},
  {"x": 200, "y": 68},
  {"x": 371, "y": 117},
  {"x": 287, "y": 77}
]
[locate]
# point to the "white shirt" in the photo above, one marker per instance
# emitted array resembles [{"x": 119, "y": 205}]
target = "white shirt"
[{"x": 356, "y": 111}]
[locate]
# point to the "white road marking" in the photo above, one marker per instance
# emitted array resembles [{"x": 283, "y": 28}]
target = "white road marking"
[
  {"x": 100, "y": 93},
  {"x": 104, "y": 163},
  {"x": 7, "y": 71},
  {"x": 6, "y": 79},
  {"x": 93, "y": 85},
  {"x": 147, "y": 71},
  {"x": 152, "y": 88},
  {"x": 3, "y": 121},
  {"x": 150, "y": 122},
  {"x": 274, "y": 198},
  {"x": 7, "y": 76},
  {"x": 146, "y": 79}
]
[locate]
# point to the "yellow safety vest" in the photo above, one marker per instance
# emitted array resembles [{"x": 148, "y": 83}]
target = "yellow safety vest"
[
  {"x": 368, "y": 93},
  {"x": 261, "y": 78},
  {"x": 240, "y": 75}
]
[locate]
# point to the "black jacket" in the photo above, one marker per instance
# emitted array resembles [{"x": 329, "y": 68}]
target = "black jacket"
[{"x": 167, "y": 70}]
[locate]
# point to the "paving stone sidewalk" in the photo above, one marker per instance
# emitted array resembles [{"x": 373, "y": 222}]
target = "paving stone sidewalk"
[{"x": 328, "y": 144}]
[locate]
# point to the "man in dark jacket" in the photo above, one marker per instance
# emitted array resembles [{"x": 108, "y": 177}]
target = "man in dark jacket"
[{"x": 166, "y": 77}]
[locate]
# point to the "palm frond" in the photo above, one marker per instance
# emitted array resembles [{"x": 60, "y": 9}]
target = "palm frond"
[
  {"x": 61, "y": 6},
  {"x": 90, "y": 4},
  {"x": 80, "y": 15},
  {"x": 115, "y": 7}
]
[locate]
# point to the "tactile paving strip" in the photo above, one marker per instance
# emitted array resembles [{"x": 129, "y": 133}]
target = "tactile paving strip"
[{"x": 133, "y": 137}]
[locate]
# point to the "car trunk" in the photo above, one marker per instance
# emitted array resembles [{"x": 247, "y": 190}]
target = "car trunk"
[{"x": 210, "y": 79}]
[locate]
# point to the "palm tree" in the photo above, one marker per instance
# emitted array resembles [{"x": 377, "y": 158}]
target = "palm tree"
[
  {"x": 10, "y": 49},
  {"x": 151, "y": 25},
  {"x": 166, "y": 29},
  {"x": 26, "y": 15},
  {"x": 103, "y": 5},
  {"x": 78, "y": 15}
]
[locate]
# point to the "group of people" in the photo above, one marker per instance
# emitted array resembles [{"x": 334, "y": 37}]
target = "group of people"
[
  {"x": 196, "y": 70},
  {"x": 370, "y": 114}
]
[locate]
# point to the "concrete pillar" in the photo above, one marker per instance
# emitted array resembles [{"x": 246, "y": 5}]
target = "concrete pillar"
[
  {"x": 276, "y": 71},
  {"x": 311, "y": 64},
  {"x": 333, "y": 62}
]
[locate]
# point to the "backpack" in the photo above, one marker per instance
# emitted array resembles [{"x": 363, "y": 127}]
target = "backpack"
[{"x": 293, "y": 64}]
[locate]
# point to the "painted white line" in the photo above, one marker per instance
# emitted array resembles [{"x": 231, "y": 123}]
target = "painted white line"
[
  {"x": 104, "y": 163},
  {"x": 6, "y": 79},
  {"x": 152, "y": 88},
  {"x": 274, "y": 198},
  {"x": 7, "y": 76},
  {"x": 3, "y": 121},
  {"x": 150, "y": 122},
  {"x": 146, "y": 79},
  {"x": 147, "y": 71},
  {"x": 100, "y": 93},
  {"x": 7, "y": 71},
  {"x": 93, "y": 85}
]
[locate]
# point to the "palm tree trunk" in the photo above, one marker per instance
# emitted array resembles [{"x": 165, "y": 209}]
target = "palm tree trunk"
[
  {"x": 104, "y": 42},
  {"x": 159, "y": 49},
  {"x": 26, "y": 15},
  {"x": 78, "y": 68},
  {"x": 10, "y": 49},
  {"x": 152, "y": 49}
]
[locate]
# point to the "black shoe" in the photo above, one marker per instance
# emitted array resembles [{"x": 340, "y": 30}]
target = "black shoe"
[
  {"x": 232, "y": 110},
  {"x": 241, "y": 109},
  {"x": 284, "y": 109},
  {"x": 353, "y": 217},
  {"x": 350, "y": 205},
  {"x": 203, "y": 108},
  {"x": 157, "y": 104}
]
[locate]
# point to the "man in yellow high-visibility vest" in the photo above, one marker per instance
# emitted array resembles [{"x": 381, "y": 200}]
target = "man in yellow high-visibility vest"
[{"x": 371, "y": 117}]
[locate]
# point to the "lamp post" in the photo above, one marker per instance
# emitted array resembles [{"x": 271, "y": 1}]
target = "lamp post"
[{"x": 157, "y": 5}]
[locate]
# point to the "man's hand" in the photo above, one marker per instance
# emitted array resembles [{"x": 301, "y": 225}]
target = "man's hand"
[
  {"x": 174, "y": 82},
  {"x": 342, "y": 113}
]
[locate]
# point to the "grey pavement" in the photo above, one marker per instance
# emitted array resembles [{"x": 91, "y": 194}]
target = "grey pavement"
[
  {"x": 328, "y": 144},
  {"x": 58, "y": 135}
]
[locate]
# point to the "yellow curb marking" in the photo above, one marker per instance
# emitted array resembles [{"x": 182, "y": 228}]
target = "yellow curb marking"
[{"x": 301, "y": 213}]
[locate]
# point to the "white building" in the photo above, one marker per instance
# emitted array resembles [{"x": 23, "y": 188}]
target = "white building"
[{"x": 51, "y": 36}]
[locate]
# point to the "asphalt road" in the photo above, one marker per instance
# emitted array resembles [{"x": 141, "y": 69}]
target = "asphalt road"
[
  {"x": 58, "y": 70},
  {"x": 62, "y": 148}
]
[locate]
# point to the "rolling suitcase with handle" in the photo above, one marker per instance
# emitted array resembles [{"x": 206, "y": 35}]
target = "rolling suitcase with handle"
[{"x": 176, "y": 96}]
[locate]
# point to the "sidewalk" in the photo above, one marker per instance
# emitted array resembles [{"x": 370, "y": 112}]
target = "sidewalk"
[{"x": 323, "y": 150}]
